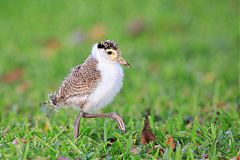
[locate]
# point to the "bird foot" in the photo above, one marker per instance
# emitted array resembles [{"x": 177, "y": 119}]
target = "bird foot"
[{"x": 119, "y": 120}]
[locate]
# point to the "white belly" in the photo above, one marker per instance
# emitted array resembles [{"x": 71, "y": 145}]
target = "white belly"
[{"x": 109, "y": 85}]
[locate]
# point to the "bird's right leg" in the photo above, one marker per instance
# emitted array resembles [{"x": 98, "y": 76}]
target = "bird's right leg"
[
  {"x": 113, "y": 116},
  {"x": 77, "y": 125}
]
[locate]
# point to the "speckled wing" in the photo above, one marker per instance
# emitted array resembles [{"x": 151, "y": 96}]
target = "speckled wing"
[{"x": 79, "y": 84}]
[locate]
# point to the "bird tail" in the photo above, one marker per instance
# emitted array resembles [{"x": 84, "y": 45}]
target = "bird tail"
[
  {"x": 52, "y": 99},
  {"x": 49, "y": 106}
]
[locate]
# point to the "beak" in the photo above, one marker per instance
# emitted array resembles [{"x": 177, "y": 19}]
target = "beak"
[{"x": 122, "y": 61}]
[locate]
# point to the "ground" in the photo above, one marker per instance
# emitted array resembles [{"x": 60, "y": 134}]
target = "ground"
[{"x": 185, "y": 73}]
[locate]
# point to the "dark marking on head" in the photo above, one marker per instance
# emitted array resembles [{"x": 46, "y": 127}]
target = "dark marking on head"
[
  {"x": 107, "y": 44},
  {"x": 100, "y": 46}
]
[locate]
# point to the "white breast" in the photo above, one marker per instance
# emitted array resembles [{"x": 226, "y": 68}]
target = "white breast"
[{"x": 109, "y": 85}]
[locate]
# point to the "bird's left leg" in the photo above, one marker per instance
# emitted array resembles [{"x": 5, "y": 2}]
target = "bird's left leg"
[
  {"x": 77, "y": 124},
  {"x": 113, "y": 116}
]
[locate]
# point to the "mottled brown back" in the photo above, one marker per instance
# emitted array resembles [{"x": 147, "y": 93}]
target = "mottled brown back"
[{"x": 81, "y": 81}]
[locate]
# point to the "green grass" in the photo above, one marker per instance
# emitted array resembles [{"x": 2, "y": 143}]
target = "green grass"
[{"x": 185, "y": 63}]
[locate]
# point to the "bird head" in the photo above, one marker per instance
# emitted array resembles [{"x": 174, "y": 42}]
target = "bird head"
[{"x": 108, "y": 51}]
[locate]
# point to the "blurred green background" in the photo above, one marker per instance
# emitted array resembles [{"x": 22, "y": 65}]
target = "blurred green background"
[{"x": 184, "y": 56}]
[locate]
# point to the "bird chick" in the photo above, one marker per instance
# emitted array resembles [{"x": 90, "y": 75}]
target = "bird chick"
[{"x": 93, "y": 84}]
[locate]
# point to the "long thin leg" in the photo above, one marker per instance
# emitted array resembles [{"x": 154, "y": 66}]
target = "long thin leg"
[
  {"x": 113, "y": 116},
  {"x": 77, "y": 125}
]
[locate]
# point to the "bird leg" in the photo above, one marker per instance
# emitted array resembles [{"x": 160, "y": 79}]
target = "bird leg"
[
  {"x": 113, "y": 116},
  {"x": 77, "y": 124}
]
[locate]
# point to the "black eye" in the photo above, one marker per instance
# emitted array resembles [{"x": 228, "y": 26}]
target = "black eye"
[{"x": 109, "y": 52}]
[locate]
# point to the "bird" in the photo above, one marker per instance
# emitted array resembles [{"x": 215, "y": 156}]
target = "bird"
[{"x": 92, "y": 85}]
